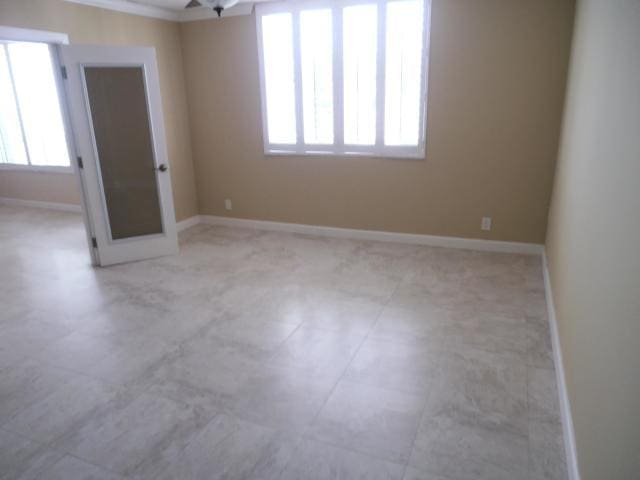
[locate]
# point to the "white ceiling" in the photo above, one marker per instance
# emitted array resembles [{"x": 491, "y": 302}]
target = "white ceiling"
[
  {"x": 177, "y": 5},
  {"x": 169, "y": 4},
  {"x": 169, "y": 9}
]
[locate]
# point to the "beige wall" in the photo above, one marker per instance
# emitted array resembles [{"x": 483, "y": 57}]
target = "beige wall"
[
  {"x": 594, "y": 239},
  {"x": 497, "y": 80},
  {"x": 496, "y": 89},
  {"x": 42, "y": 187},
  {"x": 91, "y": 25}
]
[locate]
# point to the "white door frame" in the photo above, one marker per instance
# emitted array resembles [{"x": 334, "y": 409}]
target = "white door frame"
[{"x": 73, "y": 60}]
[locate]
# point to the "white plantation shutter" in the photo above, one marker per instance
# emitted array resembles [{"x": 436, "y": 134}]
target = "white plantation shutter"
[
  {"x": 316, "y": 55},
  {"x": 344, "y": 78},
  {"x": 279, "y": 83},
  {"x": 31, "y": 124}
]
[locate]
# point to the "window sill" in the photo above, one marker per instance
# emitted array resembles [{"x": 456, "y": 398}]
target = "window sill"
[
  {"x": 392, "y": 154},
  {"x": 36, "y": 168}
]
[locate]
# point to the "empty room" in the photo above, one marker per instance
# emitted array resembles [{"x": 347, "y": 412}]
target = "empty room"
[{"x": 319, "y": 239}]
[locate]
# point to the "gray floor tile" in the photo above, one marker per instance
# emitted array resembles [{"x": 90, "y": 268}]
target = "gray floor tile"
[
  {"x": 378, "y": 422},
  {"x": 543, "y": 395},
  {"x": 131, "y": 360},
  {"x": 488, "y": 388},
  {"x": 66, "y": 408},
  {"x": 540, "y": 352},
  {"x": 228, "y": 448},
  {"x": 9, "y": 357},
  {"x": 70, "y": 468},
  {"x": 27, "y": 335},
  {"x": 412, "y": 473},
  {"x": 27, "y": 383},
  {"x": 424, "y": 325},
  {"x": 77, "y": 351},
  {"x": 547, "y": 459},
  {"x": 394, "y": 366},
  {"x": 458, "y": 448},
  {"x": 259, "y": 334},
  {"x": 135, "y": 436},
  {"x": 490, "y": 332},
  {"x": 318, "y": 352},
  {"x": 23, "y": 458},
  {"x": 474, "y": 425},
  {"x": 282, "y": 397},
  {"x": 206, "y": 370},
  {"x": 319, "y": 461},
  {"x": 339, "y": 315}
]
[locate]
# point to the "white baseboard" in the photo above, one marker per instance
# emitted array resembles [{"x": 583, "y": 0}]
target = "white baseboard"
[
  {"x": 188, "y": 223},
  {"x": 565, "y": 406},
  {"x": 410, "y": 238},
  {"x": 17, "y": 202},
  {"x": 335, "y": 232}
]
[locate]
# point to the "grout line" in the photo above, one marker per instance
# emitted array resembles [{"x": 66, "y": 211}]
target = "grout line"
[
  {"x": 364, "y": 339},
  {"x": 529, "y": 464},
  {"x": 73, "y": 455}
]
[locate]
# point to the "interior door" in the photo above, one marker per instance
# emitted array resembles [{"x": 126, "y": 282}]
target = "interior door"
[{"x": 116, "y": 113}]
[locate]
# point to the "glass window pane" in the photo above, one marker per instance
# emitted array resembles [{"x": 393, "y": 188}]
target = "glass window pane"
[
  {"x": 39, "y": 104},
  {"x": 122, "y": 133},
  {"x": 359, "y": 55},
  {"x": 11, "y": 141},
  {"x": 402, "y": 76},
  {"x": 316, "y": 50},
  {"x": 277, "y": 44}
]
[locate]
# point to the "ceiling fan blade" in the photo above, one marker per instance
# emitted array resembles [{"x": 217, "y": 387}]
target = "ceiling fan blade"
[{"x": 193, "y": 3}]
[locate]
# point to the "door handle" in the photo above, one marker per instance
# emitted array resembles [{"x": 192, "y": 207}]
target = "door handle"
[{"x": 162, "y": 167}]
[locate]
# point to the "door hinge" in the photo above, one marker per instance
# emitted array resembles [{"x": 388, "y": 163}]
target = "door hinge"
[
  {"x": 80, "y": 163},
  {"x": 94, "y": 242},
  {"x": 63, "y": 71}
]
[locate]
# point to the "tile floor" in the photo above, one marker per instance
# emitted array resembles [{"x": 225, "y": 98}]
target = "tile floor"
[{"x": 261, "y": 355}]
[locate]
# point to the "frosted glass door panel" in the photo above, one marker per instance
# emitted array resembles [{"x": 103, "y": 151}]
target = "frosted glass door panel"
[{"x": 121, "y": 128}]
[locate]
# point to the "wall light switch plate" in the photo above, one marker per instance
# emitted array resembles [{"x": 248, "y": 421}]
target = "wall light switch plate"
[
  {"x": 486, "y": 223},
  {"x": 227, "y": 204}
]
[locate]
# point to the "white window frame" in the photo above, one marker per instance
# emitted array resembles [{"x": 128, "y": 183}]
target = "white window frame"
[
  {"x": 12, "y": 34},
  {"x": 338, "y": 148}
]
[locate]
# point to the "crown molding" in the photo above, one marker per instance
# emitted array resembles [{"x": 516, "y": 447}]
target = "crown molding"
[{"x": 244, "y": 8}]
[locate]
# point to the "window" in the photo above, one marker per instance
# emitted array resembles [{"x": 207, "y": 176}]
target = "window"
[
  {"x": 344, "y": 77},
  {"x": 31, "y": 125}
]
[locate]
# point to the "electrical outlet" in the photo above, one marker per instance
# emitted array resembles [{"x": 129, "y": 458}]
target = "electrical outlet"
[
  {"x": 485, "y": 224},
  {"x": 227, "y": 204}
]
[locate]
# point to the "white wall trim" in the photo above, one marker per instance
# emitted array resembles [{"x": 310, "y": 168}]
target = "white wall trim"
[
  {"x": 30, "y": 35},
  {"x": 409, "y": 238},
  {"x": 565, "y": 406},
  {"x": 244, "y": 8},
  {"x": 18, "y": 202},
  {"x": 188, "y": 223}
]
